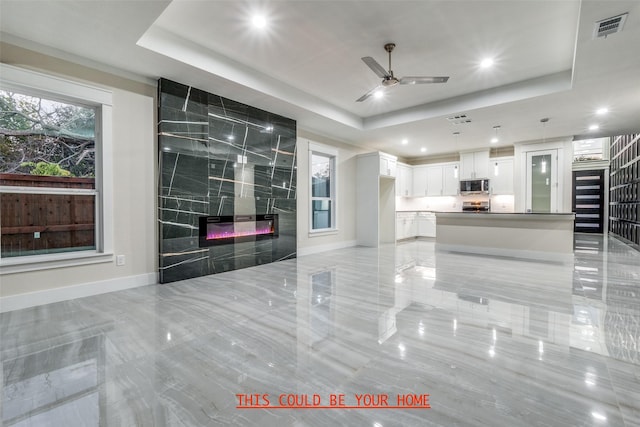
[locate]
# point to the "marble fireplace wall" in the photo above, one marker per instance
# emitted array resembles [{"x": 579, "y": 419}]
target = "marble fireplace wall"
[{"x": 221, "y": 157}]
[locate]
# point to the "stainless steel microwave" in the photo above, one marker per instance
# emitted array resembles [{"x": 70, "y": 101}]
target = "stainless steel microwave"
[{"x": 474, "y": 186}]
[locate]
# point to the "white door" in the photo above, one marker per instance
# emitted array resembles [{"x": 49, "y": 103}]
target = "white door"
[{"x": 542, "y": 181}]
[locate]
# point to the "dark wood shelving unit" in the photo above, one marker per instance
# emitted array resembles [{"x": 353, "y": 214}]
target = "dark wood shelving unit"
[{"x": 624, "y": 187}]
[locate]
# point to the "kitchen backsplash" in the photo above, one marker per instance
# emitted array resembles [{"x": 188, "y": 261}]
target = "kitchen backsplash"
[{"x": 502, "y": 203}]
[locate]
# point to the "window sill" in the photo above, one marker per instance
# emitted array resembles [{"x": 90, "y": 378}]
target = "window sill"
[
  {"x": 326, "y": 232},
  {"x": 46, "y": 262}
]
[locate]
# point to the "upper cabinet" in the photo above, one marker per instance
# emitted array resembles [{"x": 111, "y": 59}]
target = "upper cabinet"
[
  {"x": 450, "y": 181},
  {"x": 435, "y": 180},
  {"x": 388, "y": 165},
  {"x": 474, "y": 165},
  {"x": 419, "y": 181},
  {"x": 404, "y": 180},
  {"x": 501, "y": 177}
]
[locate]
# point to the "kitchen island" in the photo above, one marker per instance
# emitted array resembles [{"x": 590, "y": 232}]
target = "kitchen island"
[{"x": 540, "y": 236}]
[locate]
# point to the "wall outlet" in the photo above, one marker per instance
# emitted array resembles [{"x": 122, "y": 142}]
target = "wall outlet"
[
  {"x": 120, "y": 259},
  {"x": 36, "y": 234}
]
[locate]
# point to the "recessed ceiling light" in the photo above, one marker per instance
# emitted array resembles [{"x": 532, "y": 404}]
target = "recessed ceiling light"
[
  {"x": 494, "y": 140},
  {"x": 486, "y": 63},
  {"x": 405, "y": 141},
  {"x": 594, "y": 127},
  {"x": 231, "y": 137},
  {"x": 259, "y": 21},
  {"x": 378, "y": 94},
  {"x": 423, "y": 149},
  {"x": 601, "y": 111}
]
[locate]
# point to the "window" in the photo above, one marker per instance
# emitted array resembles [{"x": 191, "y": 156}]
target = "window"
[
  {"x": 590, "y": 149},
  {"x": 52, "y": 155},
  {"x": 322, "y": 161}
]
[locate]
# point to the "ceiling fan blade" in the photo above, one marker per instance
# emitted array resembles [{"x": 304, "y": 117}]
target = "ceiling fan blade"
[
  {"x": 422, "y": 79},
  {"x": 369, "y": 94},
  {"x": 375, "y": 67}
]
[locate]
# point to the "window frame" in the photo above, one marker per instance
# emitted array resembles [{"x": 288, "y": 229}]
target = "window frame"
[
  {"x": 35, "y": 83},
  {"x": 332, "y": 154}
]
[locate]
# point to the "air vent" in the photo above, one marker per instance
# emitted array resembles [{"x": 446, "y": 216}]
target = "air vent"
[
  {"x": 461, "y": 119},
  {"x": 609, "y": 26}
]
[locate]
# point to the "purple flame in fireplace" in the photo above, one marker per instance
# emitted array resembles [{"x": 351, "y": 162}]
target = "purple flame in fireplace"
[
  {"x": 227, "y": 231},
  {"x": 231, "y": 229}
]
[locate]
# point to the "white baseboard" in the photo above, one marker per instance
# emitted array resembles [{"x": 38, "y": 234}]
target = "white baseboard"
[
  {"x": 509, "y": 253},
  {"x": 323, "y": 248},
  {"x": 32, "y": 299}
]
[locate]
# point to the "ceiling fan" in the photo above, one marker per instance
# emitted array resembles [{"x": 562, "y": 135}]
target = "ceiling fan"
[{"x": 388, "y": 79}]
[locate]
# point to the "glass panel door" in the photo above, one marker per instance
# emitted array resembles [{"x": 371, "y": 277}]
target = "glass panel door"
[{"x": 542, "y": 181}]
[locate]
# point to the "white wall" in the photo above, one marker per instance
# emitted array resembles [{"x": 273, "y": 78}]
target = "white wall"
[
  {"x": 346, "y": 210},
  {"x": 134, "y": 188}
]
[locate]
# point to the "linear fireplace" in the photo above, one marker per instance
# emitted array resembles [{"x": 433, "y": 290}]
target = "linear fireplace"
[{"x": 221, "y": 230}]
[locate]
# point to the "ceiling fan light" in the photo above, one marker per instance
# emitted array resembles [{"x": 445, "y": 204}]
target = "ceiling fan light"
[{"x": 389, "y": 80}]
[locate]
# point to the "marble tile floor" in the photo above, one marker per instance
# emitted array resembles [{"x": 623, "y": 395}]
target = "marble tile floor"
[{"x": 492, "y": 341}]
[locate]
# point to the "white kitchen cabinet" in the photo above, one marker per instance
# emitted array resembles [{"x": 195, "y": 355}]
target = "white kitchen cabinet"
[
  {"x": 404, "y": 180},
  {"x": 450, "y": 180},
  {"x": 441, "y": 179},
  {"x": 501, "y": 175},
  {"x": 406, "y": 225},
  {"x": 426, "y": 224},
  {"x": 434, "y": 181},
  {"x": 388, "y": 164},
  {"x": 419, "y": 181},
  {"x": 407, "y": 179},
  {"x": 474, "y": 165}
]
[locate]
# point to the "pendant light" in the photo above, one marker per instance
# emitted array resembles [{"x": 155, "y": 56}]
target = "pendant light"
[
  {"x": 494, "y": 140},
  {"x": 543, "y": 164},
  {"x": 455, "y": 168}
]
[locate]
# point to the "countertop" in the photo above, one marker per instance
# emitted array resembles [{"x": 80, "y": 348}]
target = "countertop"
[
  {"x": 509, "y": 215},
  {"x": 503, "y": 215}
]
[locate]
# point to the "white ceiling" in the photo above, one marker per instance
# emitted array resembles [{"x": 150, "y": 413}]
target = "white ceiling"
[{"x": 306, "y": 64}]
